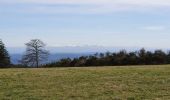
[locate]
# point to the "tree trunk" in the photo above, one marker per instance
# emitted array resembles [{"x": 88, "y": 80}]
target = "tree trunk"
[{"x": 37, "y": 61}]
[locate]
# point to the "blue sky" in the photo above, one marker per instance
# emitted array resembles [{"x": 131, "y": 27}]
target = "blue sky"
[{"x": 123, "y": 23}]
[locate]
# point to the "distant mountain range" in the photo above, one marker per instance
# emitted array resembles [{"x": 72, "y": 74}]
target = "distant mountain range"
[
  {"x": 75, "y": 49},
  {"x": 52, "y": 57},
  {"x": 57, "y": 53}
]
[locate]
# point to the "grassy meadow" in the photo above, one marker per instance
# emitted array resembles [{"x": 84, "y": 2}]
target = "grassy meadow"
[{"x": 94, "y": 83}]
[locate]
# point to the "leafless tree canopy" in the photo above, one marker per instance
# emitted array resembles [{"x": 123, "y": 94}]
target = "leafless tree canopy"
[{"x": 35, "y": 53}]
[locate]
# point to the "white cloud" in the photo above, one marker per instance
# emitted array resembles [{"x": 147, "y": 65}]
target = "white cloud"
[
  {"x": 154, "y": 3},
  {"x": 154, "y": 28},
  {"x": 91, "y": 6}
]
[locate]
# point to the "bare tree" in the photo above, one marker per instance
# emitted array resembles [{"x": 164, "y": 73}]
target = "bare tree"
[{"x": 35, "y": 53}]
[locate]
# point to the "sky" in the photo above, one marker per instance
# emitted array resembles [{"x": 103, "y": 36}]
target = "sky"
[{"x": 123, "y": 23}]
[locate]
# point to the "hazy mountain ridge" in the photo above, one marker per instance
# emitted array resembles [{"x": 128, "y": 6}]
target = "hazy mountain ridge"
[
  {"x": 77, "y": 49},
  {"x": 57, "y": 53},
  {"x": 52, "y": 57}
]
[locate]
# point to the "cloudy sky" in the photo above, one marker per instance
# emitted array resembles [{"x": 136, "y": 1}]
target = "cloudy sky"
[{"x": 123, "y": 23}]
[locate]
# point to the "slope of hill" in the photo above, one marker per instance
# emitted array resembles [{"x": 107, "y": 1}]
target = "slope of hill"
[{"x": 107, "y": 83}]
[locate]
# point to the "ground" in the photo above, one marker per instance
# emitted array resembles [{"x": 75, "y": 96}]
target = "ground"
[{"x": 95, "y": 83}]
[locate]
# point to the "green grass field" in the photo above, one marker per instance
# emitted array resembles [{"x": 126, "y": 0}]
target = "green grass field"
[{"x": 96, "y": 83}]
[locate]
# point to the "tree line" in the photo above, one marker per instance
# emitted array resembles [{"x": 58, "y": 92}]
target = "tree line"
[
  {"x": 141, "y": 57},
  {"x": 36, "y": 54}
]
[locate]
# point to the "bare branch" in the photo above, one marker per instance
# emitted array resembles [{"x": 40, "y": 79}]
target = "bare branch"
[{"x": 35, "y": 53}]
